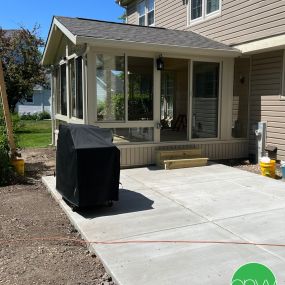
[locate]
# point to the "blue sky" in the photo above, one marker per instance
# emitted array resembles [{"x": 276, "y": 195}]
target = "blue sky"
[{"x": 27, "y": 13}]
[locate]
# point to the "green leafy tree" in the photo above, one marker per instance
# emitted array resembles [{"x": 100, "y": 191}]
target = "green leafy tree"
[
  {"x": 20, "y": 54},
  {"x": 123, "y": 17}
]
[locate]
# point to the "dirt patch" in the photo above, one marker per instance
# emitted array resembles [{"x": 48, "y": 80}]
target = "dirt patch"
[{"x": 28, "y": 211}]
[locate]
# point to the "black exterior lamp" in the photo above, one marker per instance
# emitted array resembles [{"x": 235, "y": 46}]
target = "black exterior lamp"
[{"x": 160, "y": 63}]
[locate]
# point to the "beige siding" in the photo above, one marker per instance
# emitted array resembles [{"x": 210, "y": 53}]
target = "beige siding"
[
  {"x": 132, "y": 13},
  {"x": 145, "y": 154},
  {"x": 240, "y": 21},
  {"x": 265, "y": 103}
]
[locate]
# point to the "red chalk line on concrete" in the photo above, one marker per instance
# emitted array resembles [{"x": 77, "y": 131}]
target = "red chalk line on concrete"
[{"x": 79, "y": 241}]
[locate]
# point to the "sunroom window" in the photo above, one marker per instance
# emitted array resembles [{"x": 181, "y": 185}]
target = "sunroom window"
[
  {"x": 200, "y": 10},
  {"x": 140, "y": 99},
  {"x": 145, "y": 11},
  {"x": 110, "y": 82},
  {"x": 63, "y": 93},
  {"x": 75, "y": 87}
]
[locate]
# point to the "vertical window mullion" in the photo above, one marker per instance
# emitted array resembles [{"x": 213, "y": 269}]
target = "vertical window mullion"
[
  {"x": 126, "y": 88},
  {"x": 76, "y": 88},
  {"x": 145, "y": 13}
]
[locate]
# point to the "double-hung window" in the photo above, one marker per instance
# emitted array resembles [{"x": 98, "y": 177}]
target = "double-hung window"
[
  {"x": 145, "y": 11},
  {"x": 200, "y": 10}
]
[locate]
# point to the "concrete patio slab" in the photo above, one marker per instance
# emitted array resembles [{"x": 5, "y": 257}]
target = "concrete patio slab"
[{"x": 212, "y": 203}]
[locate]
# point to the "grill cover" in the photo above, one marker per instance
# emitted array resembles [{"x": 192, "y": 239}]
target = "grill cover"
[{"x": 87, "y": 165}]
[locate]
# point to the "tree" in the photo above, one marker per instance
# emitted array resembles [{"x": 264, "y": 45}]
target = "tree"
[
  {"x": 123, "y": 17},
  {"x": 21, "y": 56}
]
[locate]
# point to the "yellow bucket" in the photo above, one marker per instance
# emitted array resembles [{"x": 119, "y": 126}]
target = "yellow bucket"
[
  {"x": 19, "y": 165},
  {"x": 268, "y": 169}
]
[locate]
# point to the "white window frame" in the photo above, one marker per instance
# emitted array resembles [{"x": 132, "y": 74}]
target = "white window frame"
[
  {"x": 146, "y": 12},
  {"x": 73, "y": 58},
  {"x": 204, "y": 15}
]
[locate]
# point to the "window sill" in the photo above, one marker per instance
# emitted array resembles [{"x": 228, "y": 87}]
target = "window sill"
[{"x": 205, "y": 19}]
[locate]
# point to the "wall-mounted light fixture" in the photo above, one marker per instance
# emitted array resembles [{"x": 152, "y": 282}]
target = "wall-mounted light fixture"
[{"x": 160, "y": 63}]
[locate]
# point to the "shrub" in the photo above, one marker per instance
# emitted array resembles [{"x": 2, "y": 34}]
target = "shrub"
[
  {"x": 43, "y": 115},
  {"x": 35, "y": 116},
  {"x": 6, "y": 170}
]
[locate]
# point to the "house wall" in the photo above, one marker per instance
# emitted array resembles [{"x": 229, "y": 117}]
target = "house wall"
[
  {"x": 266, "y": 104},
  {"x": 42, "y": 102},
  {"x": 132, "y": 13},
  {"x": 240, "y": 21},
  {"x": 136, "y": 155}
]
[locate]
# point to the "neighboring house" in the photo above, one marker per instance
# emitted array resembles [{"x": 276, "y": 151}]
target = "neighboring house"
[
  {"x": 256, "y": 28},
  {"x": 38, "y": 102},
  {"x": 180, "y": 88}
]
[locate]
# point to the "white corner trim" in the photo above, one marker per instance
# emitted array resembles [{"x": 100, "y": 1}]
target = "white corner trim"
[
  {"x": 272, "y": 43},
  {"x": 282, "y": 96}
]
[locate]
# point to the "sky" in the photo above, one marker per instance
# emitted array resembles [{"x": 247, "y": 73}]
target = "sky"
[{"x": 27, "y": 13}]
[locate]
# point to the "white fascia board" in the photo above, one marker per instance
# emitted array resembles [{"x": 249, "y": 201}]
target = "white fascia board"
[
  {"x": 56, "y": 25},
  {"x": 128, "y": 45},
  {"x": 47, "y": 46},
  {"x": 65, "y": 31},
  {"x": 268, "y": 44}
]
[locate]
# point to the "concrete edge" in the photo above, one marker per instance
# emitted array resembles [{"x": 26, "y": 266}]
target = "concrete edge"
[{"x": 65, "y": 208}]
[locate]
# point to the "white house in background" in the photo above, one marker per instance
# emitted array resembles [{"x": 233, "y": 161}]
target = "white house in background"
[{"x": 38, "y": 102}]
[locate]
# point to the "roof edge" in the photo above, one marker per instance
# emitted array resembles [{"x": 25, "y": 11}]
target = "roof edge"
[
  {"x": 159, "y": 47},
  {"x": 123, "y": 2},
  {"x": 262, "y": 45},
  {"x": 56, "y": 23}
]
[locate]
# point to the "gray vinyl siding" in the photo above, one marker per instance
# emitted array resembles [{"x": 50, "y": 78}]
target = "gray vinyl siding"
[
  {"x": 265, "y": 102},
  {"x": 240, "y": 21}
]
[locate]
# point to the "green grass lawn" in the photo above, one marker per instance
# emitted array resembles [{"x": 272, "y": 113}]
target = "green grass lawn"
[{"x": 34, "y": 133}]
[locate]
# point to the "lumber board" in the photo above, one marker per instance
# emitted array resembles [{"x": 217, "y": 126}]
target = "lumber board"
[
  {"x": 6, "y": 112},
  {"x": 185, "y": 163}
]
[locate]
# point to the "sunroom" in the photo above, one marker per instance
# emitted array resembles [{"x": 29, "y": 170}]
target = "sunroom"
[{"x": 155, "y": 88}]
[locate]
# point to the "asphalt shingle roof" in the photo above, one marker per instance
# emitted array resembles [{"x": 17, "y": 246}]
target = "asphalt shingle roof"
[{"x": 138, "y": 34}]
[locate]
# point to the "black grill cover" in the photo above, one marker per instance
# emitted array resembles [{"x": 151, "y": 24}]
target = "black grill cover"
[{"x": 87, "y": 165}]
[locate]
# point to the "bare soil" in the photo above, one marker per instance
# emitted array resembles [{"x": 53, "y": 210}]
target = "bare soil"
[{"x": 28, "y": 211}]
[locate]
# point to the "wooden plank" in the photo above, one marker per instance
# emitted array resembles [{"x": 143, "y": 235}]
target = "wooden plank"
[
  {"x": 179, "y": 153},
  {"x": 6, "y": 112},
  {"x": 185, "y": 163}
]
